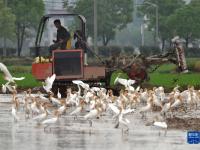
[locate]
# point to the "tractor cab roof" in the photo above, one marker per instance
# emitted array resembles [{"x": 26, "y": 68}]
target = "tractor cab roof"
[{"x": 58, "y": 15}]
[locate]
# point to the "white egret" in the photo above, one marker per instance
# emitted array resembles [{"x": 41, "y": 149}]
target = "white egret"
[
  {"x": 7, "y": 75},
  {"x": 78, "y": 109},
  {"x": 162, "y": 125},
  {"x": 41, "y": 117},
  {"x": 27, "y": 108},
  {"x": 14, "y": 113},
  {"x": 61, "y": 110},
  {"x": 58, "y": 94},
  {"x": 124, "y": 82},
  {"x": 165, "y": 108},
  {"x": 148, "y": 107},
  {"x": 50, "y": 121},
  {"x": 82, "y": 84},
  {"x": 92, "y": 114},
  {"x": 49, "y": 83},
  {"x": 54, "y": 100},
  {"x": 120, "y": 117},
  {"x": 34, "y": 107}
]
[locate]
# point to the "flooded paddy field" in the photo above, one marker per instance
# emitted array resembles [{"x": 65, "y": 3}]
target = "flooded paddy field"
[{"x": 71, "y": 133}]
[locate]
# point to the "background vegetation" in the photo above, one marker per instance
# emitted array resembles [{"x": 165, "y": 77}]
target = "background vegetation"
[
  {"x": 19, "y": 20},
  {"x": 167, "y": 76}
]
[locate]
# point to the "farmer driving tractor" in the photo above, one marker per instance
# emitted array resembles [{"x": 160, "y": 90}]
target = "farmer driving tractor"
[{"x": 63, "y": 37}]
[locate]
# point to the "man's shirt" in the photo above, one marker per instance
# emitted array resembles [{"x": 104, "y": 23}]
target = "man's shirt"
[{"x": 63, "y": 34}]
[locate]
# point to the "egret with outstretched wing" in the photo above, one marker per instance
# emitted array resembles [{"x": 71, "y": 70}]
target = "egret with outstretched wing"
[
  {"x": 124, "y": 82},
  {"x": 7, "y": 75},
  {"x": 49, "y": 83},
  {"x": 82, "y": 84}
]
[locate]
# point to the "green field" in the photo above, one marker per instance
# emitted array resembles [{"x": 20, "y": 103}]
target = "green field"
[
  {"x": 22, "y": 71},
  {"x": 165, "y": 76}
]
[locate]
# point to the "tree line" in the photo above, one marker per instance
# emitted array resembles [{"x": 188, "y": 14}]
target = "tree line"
[
  {"x": 175, "y": 17},
  {"x": 18, "y": 19}
]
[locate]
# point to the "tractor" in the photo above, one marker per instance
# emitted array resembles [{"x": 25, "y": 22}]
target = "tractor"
[{"x": 69, "y": 64}]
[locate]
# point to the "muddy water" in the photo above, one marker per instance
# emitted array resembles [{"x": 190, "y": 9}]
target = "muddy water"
[{"x": 72, "y": 134}]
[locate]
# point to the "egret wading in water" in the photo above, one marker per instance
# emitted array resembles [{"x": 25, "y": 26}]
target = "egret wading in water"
[
  {"x": 160, "y": 124},
  {"x": 14, "y": 113},
  {"x": 78, "y": 109},
  {"x": 51, "y": 121},
  {"x": 42, "y": 116},
  {"x": 120, "y": 116},
  {"x": 92, "y": 114}
]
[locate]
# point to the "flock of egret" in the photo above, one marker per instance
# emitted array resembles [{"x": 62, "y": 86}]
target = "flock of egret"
[{"x": 91, "y": 102}]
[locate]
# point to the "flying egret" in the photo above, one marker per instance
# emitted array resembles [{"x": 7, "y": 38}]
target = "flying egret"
[
  {"x": 49, "y": 83},
  {"x": 7, "y": 75},
  {"x": 82, "y": 84},
  {"x": 124, "y": 82}
]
